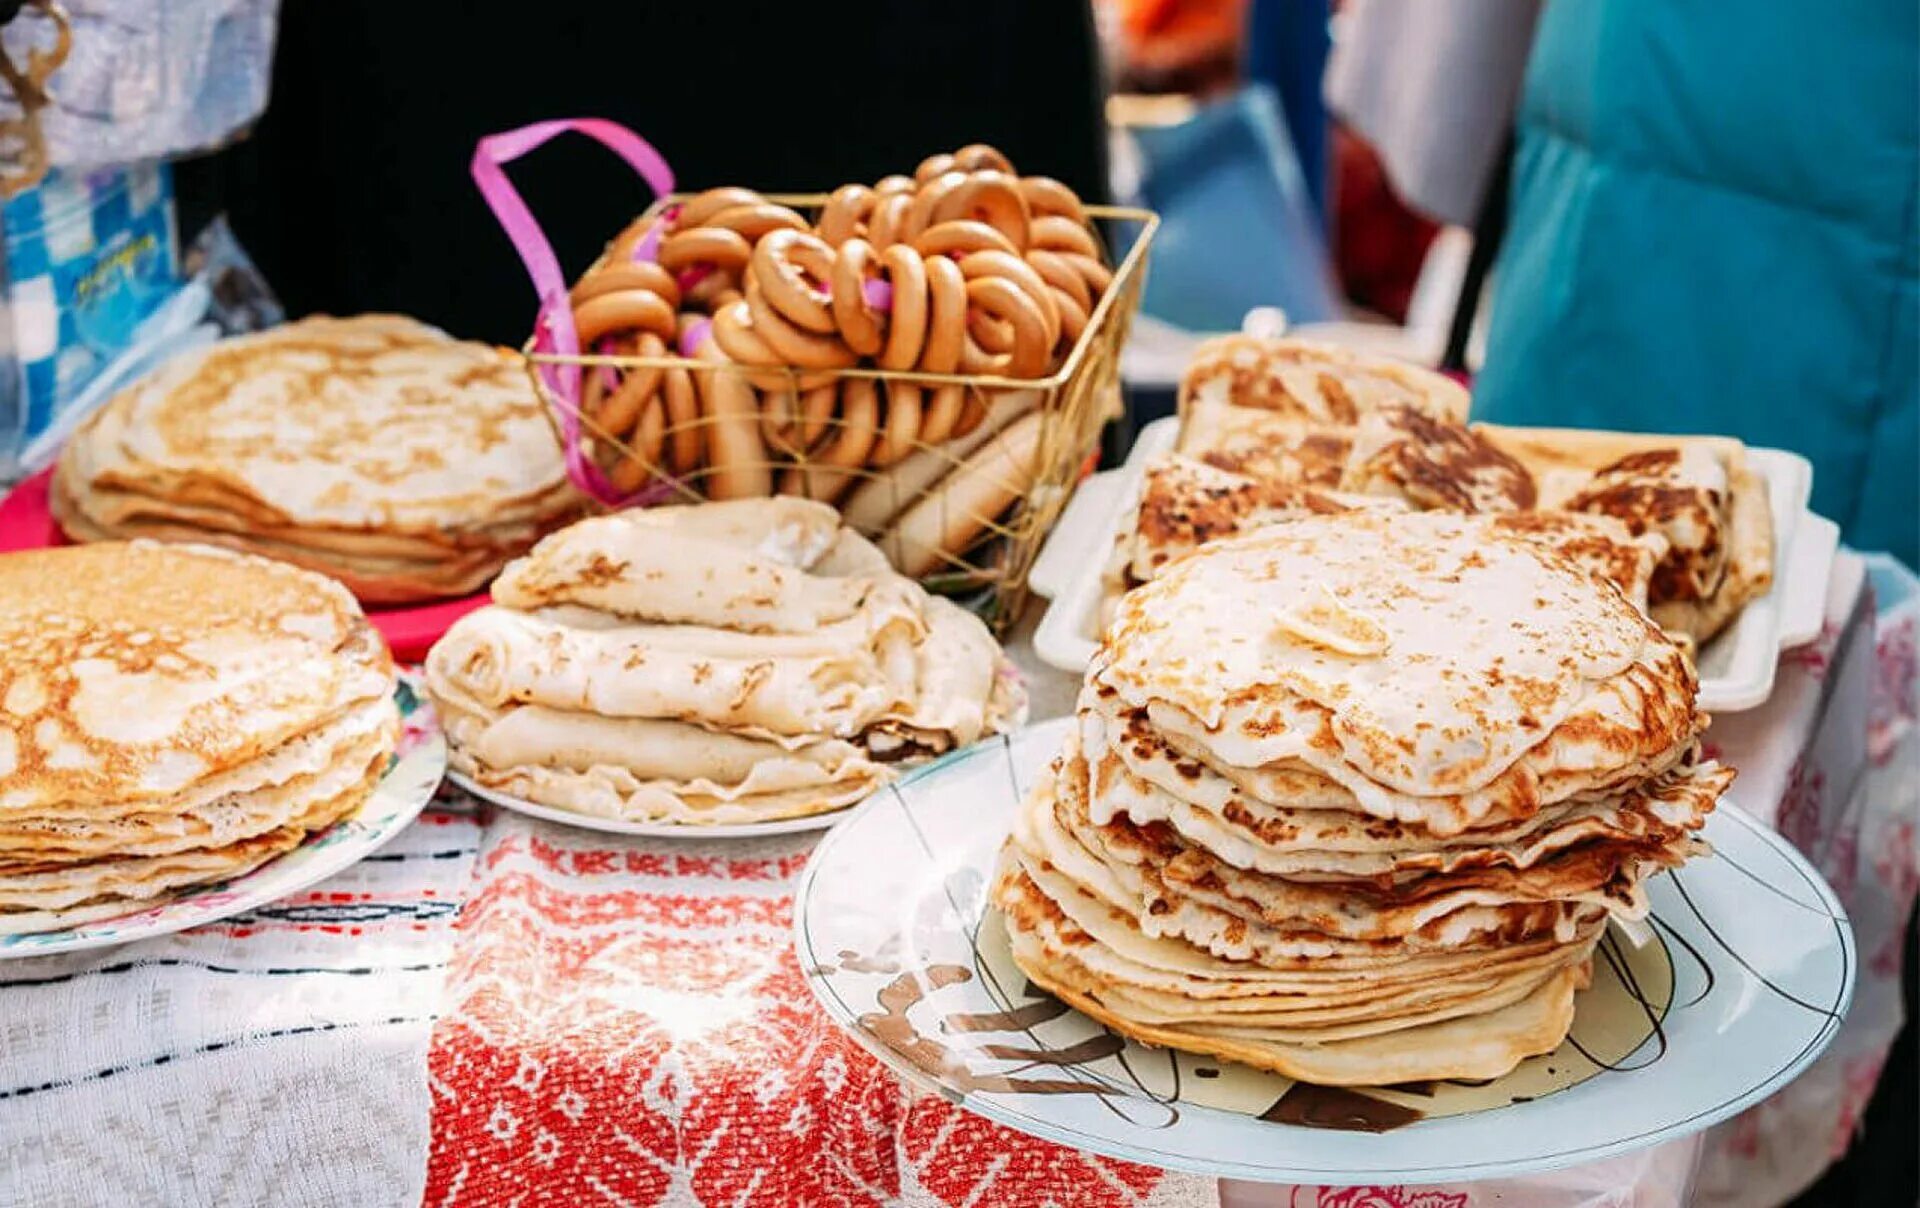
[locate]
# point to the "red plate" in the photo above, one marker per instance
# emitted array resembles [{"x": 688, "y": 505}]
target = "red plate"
[{"x": 26, "y": 522}]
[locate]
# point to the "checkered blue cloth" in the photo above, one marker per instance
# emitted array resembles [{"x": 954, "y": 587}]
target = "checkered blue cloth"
[{"x": 84, "y": 257}]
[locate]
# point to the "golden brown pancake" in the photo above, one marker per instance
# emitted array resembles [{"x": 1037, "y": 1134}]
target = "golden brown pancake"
[
  {"x": 172, "y": 714},
  {"x": 374, "y": 449}
]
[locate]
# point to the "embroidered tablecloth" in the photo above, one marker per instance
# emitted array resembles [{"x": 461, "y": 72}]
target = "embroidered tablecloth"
[{"x": 497, "y": 1010}]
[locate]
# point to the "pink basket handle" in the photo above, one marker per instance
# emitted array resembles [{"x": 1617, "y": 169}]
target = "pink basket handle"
[{"x": 554, "y": 331}]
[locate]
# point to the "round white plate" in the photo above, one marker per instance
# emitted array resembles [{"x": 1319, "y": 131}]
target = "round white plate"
[
  {"x": 651, "y": 830},
  {"x": 1738, "y": 982},
  {"x": 406, "y": 788}
]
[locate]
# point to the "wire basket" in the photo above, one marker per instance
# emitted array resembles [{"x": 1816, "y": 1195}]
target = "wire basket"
[{"x": 966, "y": 514}]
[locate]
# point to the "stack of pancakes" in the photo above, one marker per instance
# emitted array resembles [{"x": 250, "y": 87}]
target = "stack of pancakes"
[
  {"x": 1352, "y": 797},
  {"x": 170, "y": 716},
  {"x": 378, "y": 450},
  {"x": 727, "y": 662}
]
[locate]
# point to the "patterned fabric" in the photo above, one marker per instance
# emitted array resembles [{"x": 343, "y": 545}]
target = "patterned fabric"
[
  {"x": 275, "y": 1057},
  {"x": 626, "y": 1023}
]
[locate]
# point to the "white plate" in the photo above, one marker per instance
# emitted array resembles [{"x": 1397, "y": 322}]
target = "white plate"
[
  {"x": 1736, "y": 668},
  {"x": 406, "y": 788},
  {"x": 1745, "y": 978},
  {"x": 651, "y": 830}
]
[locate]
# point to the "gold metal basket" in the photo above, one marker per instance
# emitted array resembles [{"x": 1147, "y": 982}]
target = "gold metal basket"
[{"x": 1012, "y": 495}]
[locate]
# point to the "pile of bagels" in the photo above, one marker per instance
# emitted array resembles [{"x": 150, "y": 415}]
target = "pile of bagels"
[{"x": 963, "y": 268}]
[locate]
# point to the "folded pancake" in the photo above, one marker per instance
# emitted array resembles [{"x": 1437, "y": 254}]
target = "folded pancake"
[
  {"x": 636, "y": 769},
  {"x": 375, "y": 449},
  {"x": 1323, "y": 383},
  {"x": 1697, "y": 493},
  {"x": 1266, "y": 445},
  {"x": 715, "y": 664},
  {"x": 171, "y": 715},
  {"x": 1185, "y": 503},
  {"x": 1402, "y": 452},
  {"x": 1291, "y": 416},
  {"x": 742, "y": 565}
]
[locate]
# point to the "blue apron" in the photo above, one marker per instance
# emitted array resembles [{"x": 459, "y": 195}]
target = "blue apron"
[{"x": 1713, "y": 230}]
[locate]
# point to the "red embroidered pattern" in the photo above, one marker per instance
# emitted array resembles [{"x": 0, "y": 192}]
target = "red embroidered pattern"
[{"x": 628, "y": 1024}]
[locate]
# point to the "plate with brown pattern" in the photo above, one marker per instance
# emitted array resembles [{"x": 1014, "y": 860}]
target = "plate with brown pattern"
[{"x": 1737, "y": 981}]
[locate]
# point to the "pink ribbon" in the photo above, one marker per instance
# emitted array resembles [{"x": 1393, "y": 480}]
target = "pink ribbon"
[
  {"x": 554, "y": 332},
  {"x": 694, "y": 336}
]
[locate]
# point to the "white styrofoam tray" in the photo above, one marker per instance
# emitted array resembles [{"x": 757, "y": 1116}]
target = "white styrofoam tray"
[{"x": 1736, "y": 668}]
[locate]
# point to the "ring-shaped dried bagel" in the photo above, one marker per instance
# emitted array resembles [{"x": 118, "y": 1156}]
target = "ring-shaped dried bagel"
[
  {"x": 920, "y": 214},
  {"x": 686, "y": 434},
  {"x": 888, "y": 185},
  {"x": 957, "y": 237},
  {"x": 1033, "y": 339},
  {"x": 829, "y": 470},
  {"x": 713, "y": 292},
  {"x": 1056, "y": 233},
  {"x": 794, "y": 345},
  {"x": 715, "y": 248},
  {"x": 975, "y": 157},
  {"x": 1073, "y": 318},
  {"x": 988, "y": 332},
  {"x": 780, "y": 422},
  {"x": 907, "y": 320},
  {"x": 989, "y": 197},
  {"x": 702, "y": 206},
  {"x": 755, "y": 221},
  {"x": 971, "y": 414},
  {"x": 620, "y": 410},
  {"x": 861, "y": 326},
  {"x": 886, "y": 226},
  {"x": 844, "y": 216},
  {"x": 795, "y": 272},
  {"x": 946, "y": 316},
  {"x": 1058, "y": 271},
  {"x": 633, "y": 274},
  {"x": 816, "y": 412},
  {"x": 1045, "y": 196},
  {"x": 739, "y": 340},
  {"x": 736, "y": 457},
  {"x": 641, "y": 456},
  {"x": 626, "y": 310},
  {"x": 734, "y": 332},
  {"x": 901, "y": 432},
  {"x": 941, "y": 412},
  {"x": 999, "y": 264},
  {"x": 1096, "y": 274},
  {"x": 933, "y": 165}
]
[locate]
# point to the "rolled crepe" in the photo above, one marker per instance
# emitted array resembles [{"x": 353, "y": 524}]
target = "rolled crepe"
[{"x": 732, "y": 567}]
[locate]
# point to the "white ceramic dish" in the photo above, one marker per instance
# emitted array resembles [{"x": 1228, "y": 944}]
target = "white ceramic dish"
[
  {"x": 1736, "y": 668},
  {"x": 407, "y": 787},
  {"x": 1739, "y": 982},
  {"x": 651, "y": 830}
]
